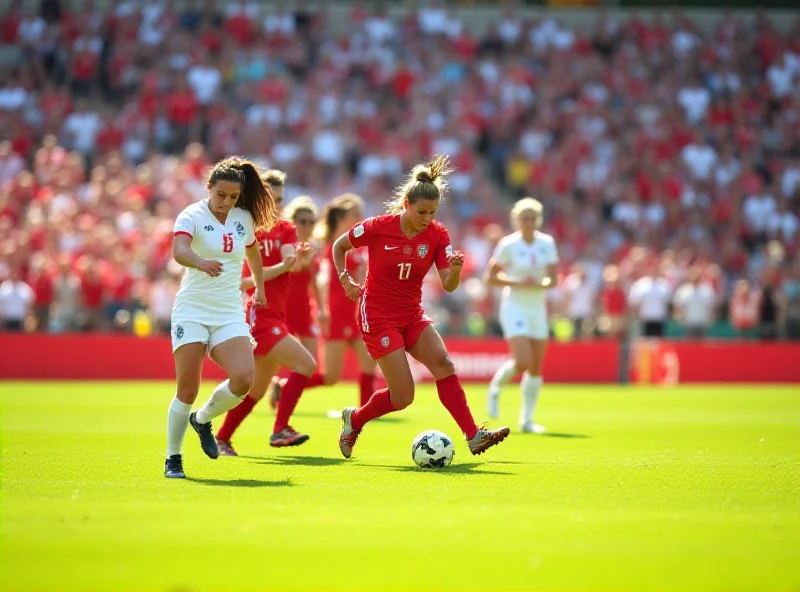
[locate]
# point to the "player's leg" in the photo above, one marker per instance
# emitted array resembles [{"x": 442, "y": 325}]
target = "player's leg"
[
  {"x": 531, "y": 385},
  {"x": 398, "y": 394},
  {"x": 367, "y": 365},
  {"x": 231, "y": 348},
  {"x": 428, "y": 348},
  {"x": 291, "y": 354},
  {"x": 335, "y": 350},
  {"x": 189, "y": 350},
  {"x": 265, "y": 368},
  {"x": 519, "y": 361},
  {"x": 318, "y": 379}
]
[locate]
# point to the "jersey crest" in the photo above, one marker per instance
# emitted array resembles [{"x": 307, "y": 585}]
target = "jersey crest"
[
  {"x": 240, "y": 231},
  {"x": 422, "y": 251}
]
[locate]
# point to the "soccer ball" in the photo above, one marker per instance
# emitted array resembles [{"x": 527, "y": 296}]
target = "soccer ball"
[{"x": 432, "y": 450}]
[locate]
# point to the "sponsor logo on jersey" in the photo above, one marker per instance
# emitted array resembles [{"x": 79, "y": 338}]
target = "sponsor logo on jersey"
[
  {"x": 385, "y": 341},
  {"x": 422, "y": 251},
  {"x": 358, "y": 231},
  {"x": 240, "y": 231},
  {"x": 208, "y": 228}
]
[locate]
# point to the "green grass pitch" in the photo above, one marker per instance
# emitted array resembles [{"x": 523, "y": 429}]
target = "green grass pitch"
[{"x": 689, "y": 488}]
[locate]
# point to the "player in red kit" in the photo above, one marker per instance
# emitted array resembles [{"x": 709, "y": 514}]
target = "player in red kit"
[
  {"x": 403, "y": 245},
  {"x": 275, "y": 345}
]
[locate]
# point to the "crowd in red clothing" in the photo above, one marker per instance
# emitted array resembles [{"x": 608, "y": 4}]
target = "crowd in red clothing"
[{"x": 642, "y": 133}]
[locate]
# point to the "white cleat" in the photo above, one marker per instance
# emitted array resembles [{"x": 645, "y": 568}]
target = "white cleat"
[
  {"x": 493, "y": 403},
  {"x": 532, "y": 428}
]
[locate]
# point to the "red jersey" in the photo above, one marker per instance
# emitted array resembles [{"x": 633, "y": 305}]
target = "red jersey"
[
  {"x": 270, "y": 243},
  {"x": 397, "y": 266},
  {"x": 338, "y": 302},
  {"x": 299, "y": 302}
]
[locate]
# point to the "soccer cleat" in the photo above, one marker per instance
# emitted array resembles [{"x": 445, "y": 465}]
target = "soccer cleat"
[
  {"x": 348, "y": 437},
  {"x": 207, "y": 440},
  {"x": 275, "y": 393},
  {"x": 532, "y": 428},
  {"x": 486, "y": 438},
  {"x": 287, "y": 437},
  {"x": 173, "y": 467},
  {"x": 493, "y": 402},
  {"x": 226, "y": 448}
]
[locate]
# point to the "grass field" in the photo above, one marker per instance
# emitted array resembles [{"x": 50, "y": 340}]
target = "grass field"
[{"x": 645, "y": 489}]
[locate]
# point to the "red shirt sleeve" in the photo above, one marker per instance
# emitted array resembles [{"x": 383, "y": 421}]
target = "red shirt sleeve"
[
  {"x": 290, "y": 235},
  {"x": 443, "y": 249},
  {"x": 361, "y": 234}
]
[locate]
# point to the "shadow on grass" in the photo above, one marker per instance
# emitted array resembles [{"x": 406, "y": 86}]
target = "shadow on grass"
[
  {"x": 240, "y": 482},
  {"x": 454, "y": 469},
  {"x": 317, "y": 415},
  {"x": 306, "y": 461},
  {"x": 564, "y": 435}
]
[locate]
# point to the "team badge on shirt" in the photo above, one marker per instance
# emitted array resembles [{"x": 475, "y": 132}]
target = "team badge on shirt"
[
  {"x": 240, "y": 229},
  {"x": 422, "y": 251},
  {"x": 209, "y": 228},
  {"x": 385, "y": 341},
  {"x": 358, "y": 231}
]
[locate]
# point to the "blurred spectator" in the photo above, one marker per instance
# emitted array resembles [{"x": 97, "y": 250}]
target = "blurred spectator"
[
  {"x": 695, "y": 305},
  {"x": 649, "y": 299},
  {"x": 770, "y": 305},
  {"x": 16, "y": 301},
  {"x": 614, "y": 306},
  {"x": 791, "y": 296},
  {"x": 744, "y": 308},
  {"x": 580, "y": 301}
]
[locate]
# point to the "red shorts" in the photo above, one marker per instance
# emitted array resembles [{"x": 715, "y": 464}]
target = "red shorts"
[
  {"x": 267, "y": 330},
  {"x": 300, "y": 326},
  {"x": 380, "y": 342},
  {"x": 343, "y": 325}
]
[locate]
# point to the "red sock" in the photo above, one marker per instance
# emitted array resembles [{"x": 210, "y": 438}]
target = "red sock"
[
  {"x": 316, "y": 380},
  {"x": 378, "y": 405},
  {"x": 366, "y": 385},
  {"x": 234, "y": 418},
  {"x": 290, "y": 395},
  {"x": 454, "y": 400}
]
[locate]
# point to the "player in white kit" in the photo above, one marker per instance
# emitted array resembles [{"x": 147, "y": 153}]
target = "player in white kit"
[
  {"x": 524, "y": 264},
  {"x": 212, "y": 238}
]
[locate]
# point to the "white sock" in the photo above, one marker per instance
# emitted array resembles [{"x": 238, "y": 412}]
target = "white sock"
[
  {"x": 221, "y": 401},
  {"x": 530, "y": 394},
  {"x": 503, "y": 375},
  {"x": 177, "y": 422}
]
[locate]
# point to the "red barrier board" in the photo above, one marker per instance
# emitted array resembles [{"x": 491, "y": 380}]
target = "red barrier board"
[{"x": 121, "y": 357}]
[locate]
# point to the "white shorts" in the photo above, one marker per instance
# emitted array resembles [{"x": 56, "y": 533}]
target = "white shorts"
[
  {"x": 517, "y": 321},
  {"x": 184, "y": 332}
]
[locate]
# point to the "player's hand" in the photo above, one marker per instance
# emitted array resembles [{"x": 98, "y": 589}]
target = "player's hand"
[
  {"x": 259, "y": 299},
  {"x": 351, "y": 288},
  {"x": 324, "y": 322},
  {"x": 210, "y": 266},
  {"x": 289, "y": 263},
  {"x": 456, "y": 261}
]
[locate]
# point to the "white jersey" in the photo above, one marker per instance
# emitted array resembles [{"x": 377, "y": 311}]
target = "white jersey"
[
  {"x": 522, "y": 260},
  {"x": 213, "y": 300}
]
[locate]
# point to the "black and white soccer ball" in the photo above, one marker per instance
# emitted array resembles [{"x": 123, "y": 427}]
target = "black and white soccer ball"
[{"x": 432, "y": 449}]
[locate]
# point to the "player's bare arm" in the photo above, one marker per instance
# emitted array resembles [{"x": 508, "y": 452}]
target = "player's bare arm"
[
  {"x": 451, "y": 275},
  {"x": 182, "y": 253},
  {"x": 253, "y": 256},
  {"x": 340, "y": 248},
  {"x": 495, "y": 276},
  {"x": 319, "y": 289}
]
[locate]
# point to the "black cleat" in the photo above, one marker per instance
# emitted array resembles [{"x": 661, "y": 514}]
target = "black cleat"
[
  {"x": 173, "y": 467},
  {"x": 207, "y": 440}
]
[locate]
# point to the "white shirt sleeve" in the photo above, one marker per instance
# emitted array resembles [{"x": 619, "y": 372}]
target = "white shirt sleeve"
[
  {"x": 185, "y": 224},
  {"x": 249, "y": 226},
  {"x": 552, "y": 256},
  {"x": 502, "y": 253}
]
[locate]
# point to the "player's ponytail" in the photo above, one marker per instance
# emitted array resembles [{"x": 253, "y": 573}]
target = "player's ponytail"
[
  {"x": 255, "y": 196},
  {"x": 333, "y": 213},
  {"x": 425, "y": 181}
]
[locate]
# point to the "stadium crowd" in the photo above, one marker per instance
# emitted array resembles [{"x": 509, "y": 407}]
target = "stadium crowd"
[{"x": 668, "y": 160}]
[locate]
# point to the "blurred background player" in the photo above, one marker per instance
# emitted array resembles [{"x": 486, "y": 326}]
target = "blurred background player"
[
  {"x": 524, "y": 264},
  {"x": 211, "y": 240},
  {"x": 303, "y": 287},
  {"x": 275, "y": 345},
  {"x": 403, "y": 246}
]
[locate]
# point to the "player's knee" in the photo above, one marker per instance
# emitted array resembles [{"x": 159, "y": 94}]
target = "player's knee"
[
  {"x": 186, "y": 394},
  {"x": 534, "y": 368},
  {"x": 306, "y": 367},
  {"x": 523, "y": 364},
  {"x": 241, "y": 380},
  {"x": 446, "y": 366}
]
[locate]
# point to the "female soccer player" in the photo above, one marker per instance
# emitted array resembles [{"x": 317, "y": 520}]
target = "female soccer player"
[
  {"x": 403, "y": 245},
  {"x": 525, "y": 265},
  {"x": 275, "y": 345},
  {"x": 212, "y": 238}
]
